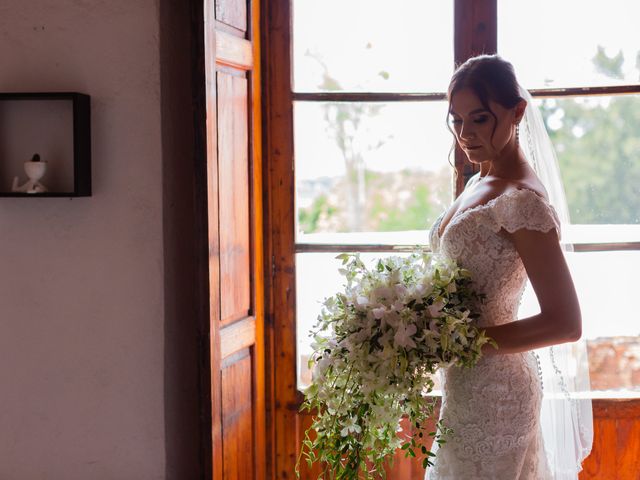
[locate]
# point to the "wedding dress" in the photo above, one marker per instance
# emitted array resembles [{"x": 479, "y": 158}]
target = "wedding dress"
[{"x": 493, "y": 408}]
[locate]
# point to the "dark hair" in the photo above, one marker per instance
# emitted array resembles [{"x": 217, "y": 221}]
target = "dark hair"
[{"x": 490, "y": 77}]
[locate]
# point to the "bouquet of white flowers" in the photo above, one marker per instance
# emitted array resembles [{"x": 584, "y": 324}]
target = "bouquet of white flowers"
[{"x": 377, "y": 346}]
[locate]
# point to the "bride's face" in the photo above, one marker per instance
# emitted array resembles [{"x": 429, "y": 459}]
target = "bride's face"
[{"x": 473, "y": 126}]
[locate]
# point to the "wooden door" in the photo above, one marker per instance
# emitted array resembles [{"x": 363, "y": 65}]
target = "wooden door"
[{"x": 230, "y": 34}]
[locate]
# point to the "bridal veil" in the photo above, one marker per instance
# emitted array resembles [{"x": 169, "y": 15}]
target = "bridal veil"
[{"x": 566, "y": 417}]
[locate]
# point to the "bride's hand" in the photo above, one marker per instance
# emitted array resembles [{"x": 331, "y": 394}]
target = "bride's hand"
[{"x": 489, "y": 350}]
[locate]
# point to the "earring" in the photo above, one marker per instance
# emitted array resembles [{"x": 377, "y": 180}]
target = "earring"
[{"x": 518, "y": 134}]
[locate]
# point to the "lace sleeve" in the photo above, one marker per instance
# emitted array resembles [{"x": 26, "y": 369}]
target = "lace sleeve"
[{"x": 526, "y": 209}]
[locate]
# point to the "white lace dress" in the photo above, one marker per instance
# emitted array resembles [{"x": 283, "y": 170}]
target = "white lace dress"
[{"x": 493, "y": 408}]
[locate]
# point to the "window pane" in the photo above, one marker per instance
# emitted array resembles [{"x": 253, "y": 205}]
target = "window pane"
[
  {"x": 606, "y": 285},
  {"x": 372, "y": 45},
  {"x": 611, "y": 326},
  {"x": 370, "y": 167},
  {"x": 570, "y": 43},
  {"x": 321, "y": 269},
  {"x": 597, "y": 140}
]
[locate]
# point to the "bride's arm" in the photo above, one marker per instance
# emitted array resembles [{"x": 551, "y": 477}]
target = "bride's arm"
[{"x": 559, "y": 320}]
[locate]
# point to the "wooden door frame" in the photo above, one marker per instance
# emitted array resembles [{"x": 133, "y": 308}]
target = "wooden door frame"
[{"x": 279, "y": 222}]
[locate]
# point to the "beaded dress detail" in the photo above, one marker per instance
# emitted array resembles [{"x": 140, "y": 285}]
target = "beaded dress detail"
[{"x": 493, "y": 408}]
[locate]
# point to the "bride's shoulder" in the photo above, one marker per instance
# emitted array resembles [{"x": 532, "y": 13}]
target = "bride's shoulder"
[
  {"x": 508, "y": 188},
  {"x": 522, "y": 205}
]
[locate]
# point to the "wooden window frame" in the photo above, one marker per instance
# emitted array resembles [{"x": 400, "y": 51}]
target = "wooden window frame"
[{"x": 475, "y": 32}]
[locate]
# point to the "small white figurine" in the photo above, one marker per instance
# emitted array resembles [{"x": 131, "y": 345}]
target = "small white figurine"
[{"x": 35, "y": 169}]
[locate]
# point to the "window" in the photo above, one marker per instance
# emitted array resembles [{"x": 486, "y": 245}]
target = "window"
[
  {"x": 390, "y": 48},
  {"x": 573, "y": 43},
  {"x": 598, "y": 145},
  {"x": 404, "y": 56},
  {"x": 371, "y": 171}
]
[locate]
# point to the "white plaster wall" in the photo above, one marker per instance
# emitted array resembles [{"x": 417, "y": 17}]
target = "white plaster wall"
[{"x": 81, "y": 287}]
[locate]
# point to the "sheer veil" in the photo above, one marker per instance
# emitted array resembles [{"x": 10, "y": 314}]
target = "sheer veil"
[{"x": 566, "y": 416}]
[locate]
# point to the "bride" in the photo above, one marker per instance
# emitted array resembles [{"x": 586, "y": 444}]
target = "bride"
[{"x": 504, "y": 229}]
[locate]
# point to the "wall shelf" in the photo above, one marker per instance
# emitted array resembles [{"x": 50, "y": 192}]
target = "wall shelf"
[{"x": 57, "y": 126}]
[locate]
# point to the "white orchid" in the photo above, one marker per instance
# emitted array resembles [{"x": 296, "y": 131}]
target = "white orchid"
[
  {"x": 376, "y": 345},
  {"x": 350, "y": 425},
  {"x": 382, "y": 293},
  {"x": 398, "y": 306},
  {"x": 401, "y": 290},
  {"x": 362, "y": 301},
  {"x": 402, "y": 338},
  {"x": 436, "y": 308}
]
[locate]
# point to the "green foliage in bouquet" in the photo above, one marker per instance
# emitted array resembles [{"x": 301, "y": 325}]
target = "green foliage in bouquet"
[{"x": 377, "y": 346}]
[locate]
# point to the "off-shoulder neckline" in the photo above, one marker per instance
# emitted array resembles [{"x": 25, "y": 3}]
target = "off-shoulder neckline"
[{"x": 481, "y": 206}]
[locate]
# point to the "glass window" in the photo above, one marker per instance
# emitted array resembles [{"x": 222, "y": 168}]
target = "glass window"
[
  {"x": 570, "y": 43},
  {"x": 606, "y": 284},
  {"x": 598, "y": 146},
  {"x": 370, "y": 167},
  {"x": 372, "y": 45},
  {"x": 578, "y": 43},
  {"x": 320, "y": 269},
  {"x": 378, "y": 172},
  {"x": 597, "y": 141}
]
